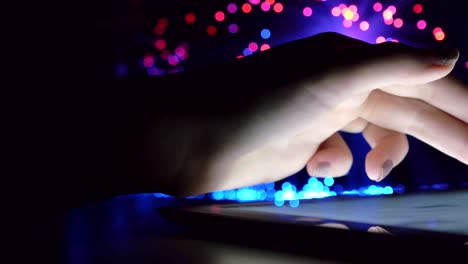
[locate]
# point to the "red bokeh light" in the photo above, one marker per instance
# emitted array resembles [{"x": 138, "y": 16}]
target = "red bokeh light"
[
  {"x": 437, "y": 29},
  {"x": 398, "y": 23},
  {"x": 388, "y": 22},
  {"x": 278, "y": 7},
  {"x": 246, "y": 8},
  {"x": 264, "y": 47},
  {"x": 160, "y": 44},
  {"x": 158, "y": 30},
  {"x": 219, "y": 16},
  {"x": 190, "y": 18},
  {"x": 211, "y": 30},
  {"x": 253, "y": 46},
  {"x": 148, "y": 61},
  {"x": 271, "y": 2},
  {"x": 417, "y": 8},
  {"x": 163, "y": 22}
]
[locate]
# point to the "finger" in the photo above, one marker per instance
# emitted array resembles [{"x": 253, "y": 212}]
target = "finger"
[
  {"x": 419, "y": 119},
  {"x": 365, "y": 68},
  {"x": 447, "y": 94},
  {"x": 333, "y": 158},
  {"x": 356, "y": 126},
  {"x": 389, "y": 148}
]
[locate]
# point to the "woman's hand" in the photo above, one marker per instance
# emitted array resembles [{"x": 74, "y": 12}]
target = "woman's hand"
[{"x": 291, "y": 101}]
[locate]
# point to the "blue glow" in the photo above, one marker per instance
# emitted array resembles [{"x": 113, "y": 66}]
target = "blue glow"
[
  {"x": 244, "y": 195},
  {"x": 261, "y": 195},
  {"x": 285, "y": 185},
  {"x": 387, "y": 190},
  {"x": 270, "y": 185},
  {"x": 217, "y": 195},
  {"x": 338, "y": 188},
  {"x": 352, "y": 192},
  {"x": 247, "y": 52},
  {"x": 329, "y": 181},
  {"x": 279, "y": 203},
  {"x": 294, "y": 203},
  {"x": 399, "y": 188},
  {"x": 271, "y": 194},
  {"x": 230, "y": 195},
  {"x": 312, "y": 180},
  {"x": 265, "y": 33},
  {"x": 440, "y": 186}
]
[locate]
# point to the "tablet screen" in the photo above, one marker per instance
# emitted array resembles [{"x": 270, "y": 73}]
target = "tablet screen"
[{"x": 442, "y": 212}]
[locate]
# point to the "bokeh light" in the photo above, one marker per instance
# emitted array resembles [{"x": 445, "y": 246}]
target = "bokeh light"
[
  {"x": 336, "y": 11},
  {"x": 421, "y": 24},
  {"x": 253, "y": 46},
  {"x": 265, "y": 33},
  {"x": 211, "y": 30},
  {"x": 387, "y": 15},
  {"x": 439, "y": 36},
  {"x": 347, "y": 14},
  {"x": 364, "y": 26},
  {"x": 233, "y": 28},
  {"x": 398, "y": 23},
  {"x": 307, "y": 11},
  {"x": 246, "y": 8},
  {"x": 264, "y": 47},
  {"x": 392, "y": 9},
  {"x": 160, "y": 44},
  {"x": 254, "y": 2},
  {"x": 219, "y": 16},
  {"x": 380, "y": 39},
  {"x": 265, "y": 6},
  {"x": 190, "y": 18},
  {"x": 232, "y": 8},
  {"x": 377, "y": 7},
  {"x": 417, "y": 8},
  {"x": 148, "y": 60},
  {"x": 278, "y": 8},
  {"x": 347, "y": 23}
]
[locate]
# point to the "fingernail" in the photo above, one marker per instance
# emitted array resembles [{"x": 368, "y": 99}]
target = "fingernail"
[
  {"x": 386, "y": 168},
  {"x": 444, "y": 56},
  {"x": 322, "y": 168}
]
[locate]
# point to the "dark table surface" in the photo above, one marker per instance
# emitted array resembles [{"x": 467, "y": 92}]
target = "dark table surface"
[{"x": 129, "y": 229}]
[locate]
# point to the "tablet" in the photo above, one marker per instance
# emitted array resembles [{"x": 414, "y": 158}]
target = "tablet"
[{"x": 429, "y": 221}]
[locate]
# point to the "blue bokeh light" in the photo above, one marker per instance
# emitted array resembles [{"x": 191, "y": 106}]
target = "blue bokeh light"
[
  {"x": 265, "y": 33},
  {"x": 329, "y": 181}
]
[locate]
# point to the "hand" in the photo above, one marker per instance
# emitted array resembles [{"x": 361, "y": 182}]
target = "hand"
[{"x": 304, "y": 92}]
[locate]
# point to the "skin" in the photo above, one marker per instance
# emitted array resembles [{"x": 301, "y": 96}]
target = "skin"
[{"x": 301, "y": 95}]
